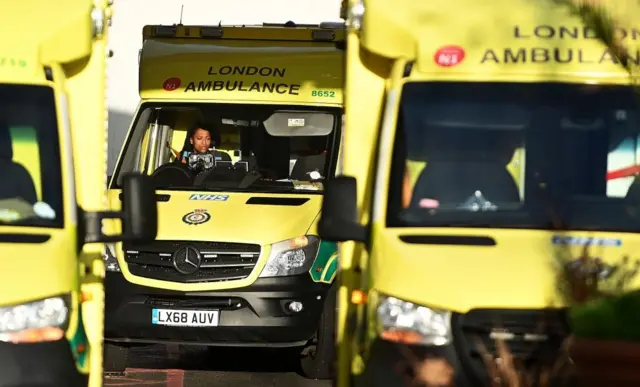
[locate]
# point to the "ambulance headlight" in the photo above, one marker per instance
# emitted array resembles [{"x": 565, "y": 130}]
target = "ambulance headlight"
[
  {"x": 409, "y": 323},
  {"x": 291, "y": 257},
  {"x": 35, "y": 321}
]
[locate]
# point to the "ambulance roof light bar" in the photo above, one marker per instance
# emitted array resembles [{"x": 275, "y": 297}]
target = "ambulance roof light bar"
[
  {"x": 323, "y": 35},
  {"x": 211, "y": 32},
  {"x": 325, "y": 31},
  {"x": 333, "y": 25},
  {"x": 289, "y": 24},
  {"x": 164, "y": 31}
]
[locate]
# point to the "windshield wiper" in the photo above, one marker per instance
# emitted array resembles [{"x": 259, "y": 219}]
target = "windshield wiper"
[
  {"x": 482, "y": 219},
  {"x": 252, "y": 189},
  {"x": 551, "y": 206},
  {"x": 176, "y": 187},
  {"x": 213, "y": 187}
]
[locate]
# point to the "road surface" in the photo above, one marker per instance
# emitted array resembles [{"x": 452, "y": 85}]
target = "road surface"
[{"x": 174, "y": 366}]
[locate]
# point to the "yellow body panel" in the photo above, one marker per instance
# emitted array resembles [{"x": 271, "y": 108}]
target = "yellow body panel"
[
  {"x": 62, "y": 37},
  {"x": 182, "y": 69},
  {"x": 231, "y": 221},
  {"x": 364, "y": 89},
  {"x": 21, "y": 66},
  {"x": 409, "y": 30},
  {"x": 47, "y": 275},
  {"x": 501, "y": 41},
  {"x": 520, "y": 272}
]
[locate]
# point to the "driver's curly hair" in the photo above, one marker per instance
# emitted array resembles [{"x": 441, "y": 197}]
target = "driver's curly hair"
[{"x": 215, "y": 135}]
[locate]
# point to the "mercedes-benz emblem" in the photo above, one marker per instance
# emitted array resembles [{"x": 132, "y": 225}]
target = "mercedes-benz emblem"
[{"x": 187, "y": 260}]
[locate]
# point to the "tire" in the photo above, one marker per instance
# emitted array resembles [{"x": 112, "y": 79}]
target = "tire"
[
  {"x": 115, "y": 358},
  {"x": 318, "y": 358}
]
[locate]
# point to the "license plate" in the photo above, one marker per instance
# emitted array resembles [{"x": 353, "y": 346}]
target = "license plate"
[{"x": 185, "y": 318}]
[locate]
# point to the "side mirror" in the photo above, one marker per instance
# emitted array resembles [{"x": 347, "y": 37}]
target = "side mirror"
[
  {"x": 139, "y": 208},
  {"x": 139, "y": 214},
  {"x": 339, "y": 216}
]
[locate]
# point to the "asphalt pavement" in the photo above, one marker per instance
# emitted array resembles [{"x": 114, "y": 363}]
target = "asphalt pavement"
[{"x": 177, "y": 366}]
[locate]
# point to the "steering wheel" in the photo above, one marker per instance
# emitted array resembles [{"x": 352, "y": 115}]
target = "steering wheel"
[
  {"x": 173, "y": 174},
  {"x": 201, "y": 177}
]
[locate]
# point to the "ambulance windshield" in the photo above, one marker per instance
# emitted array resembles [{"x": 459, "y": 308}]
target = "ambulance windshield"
[
  {"x": 215, "y": 147},
  {"x": 30, "y": 166},
  {"x": 517, "y": 155}
]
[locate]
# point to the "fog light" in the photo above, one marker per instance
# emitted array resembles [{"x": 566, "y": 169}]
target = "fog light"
[{"x": 295, "y": 306}]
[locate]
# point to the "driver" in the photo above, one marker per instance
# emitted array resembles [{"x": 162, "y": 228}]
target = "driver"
[
  {"x": 201, "y": 155},
  {"x": 311, "y": 162}
]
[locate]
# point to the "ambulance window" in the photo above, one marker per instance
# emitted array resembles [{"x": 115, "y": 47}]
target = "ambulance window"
[
  {"x": 30, "y": 162},
  {"x": 136, "y": 147}
]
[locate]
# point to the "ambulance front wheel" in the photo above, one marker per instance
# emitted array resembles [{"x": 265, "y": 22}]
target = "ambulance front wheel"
[
  {"x": 115, "y": 358},
  {"x": 318, "y": 358}
]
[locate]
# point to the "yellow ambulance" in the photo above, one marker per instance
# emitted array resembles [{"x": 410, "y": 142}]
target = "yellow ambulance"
[
  {"x": 495, "y": 144},
  {"x": 52, "y": 196},
  {"x": 238, "y": 261}
]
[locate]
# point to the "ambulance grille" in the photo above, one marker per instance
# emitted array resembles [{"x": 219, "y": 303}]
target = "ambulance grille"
[
  {"x": 220, "y": 261},
  {"x": 533, "y": 337}
]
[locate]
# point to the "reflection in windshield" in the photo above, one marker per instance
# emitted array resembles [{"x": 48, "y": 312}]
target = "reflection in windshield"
[
  {"x": 477, "y": 202},
  {"x": 250, "y": 148},
  {"x": 503, "y": 155},
  {"x": 29, "y": 157}
]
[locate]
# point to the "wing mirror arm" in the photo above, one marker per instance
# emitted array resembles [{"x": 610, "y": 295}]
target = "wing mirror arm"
[
  {"x": 339, "y": 217},
  {"x": 93, "y": 227},
  {"x": 139, "y": 214}
]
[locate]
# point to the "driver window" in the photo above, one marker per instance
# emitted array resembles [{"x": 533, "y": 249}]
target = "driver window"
[
  {"x": 146, "y": 149},
  {"x": 136, "y": 147},
  {"x": 159, "y": 133}
]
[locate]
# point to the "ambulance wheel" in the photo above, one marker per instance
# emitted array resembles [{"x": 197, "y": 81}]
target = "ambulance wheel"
[
  {"x": 115, "y": 358},
  {"x": 318, "y": 358}
]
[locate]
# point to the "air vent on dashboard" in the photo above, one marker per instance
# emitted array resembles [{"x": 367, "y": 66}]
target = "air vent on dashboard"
[
  {"x": 24, "y": 238},
  {"x": 452, "y": 240},
  {"x": 275, "y": 201},
  {"x": 159, "y": 197}
]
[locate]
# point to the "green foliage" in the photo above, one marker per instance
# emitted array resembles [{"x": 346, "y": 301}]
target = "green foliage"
[
  {"x": 609, "y": 318},
  {"x": 601, "y": 307},
  {"x": 598, "y": 18}
]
